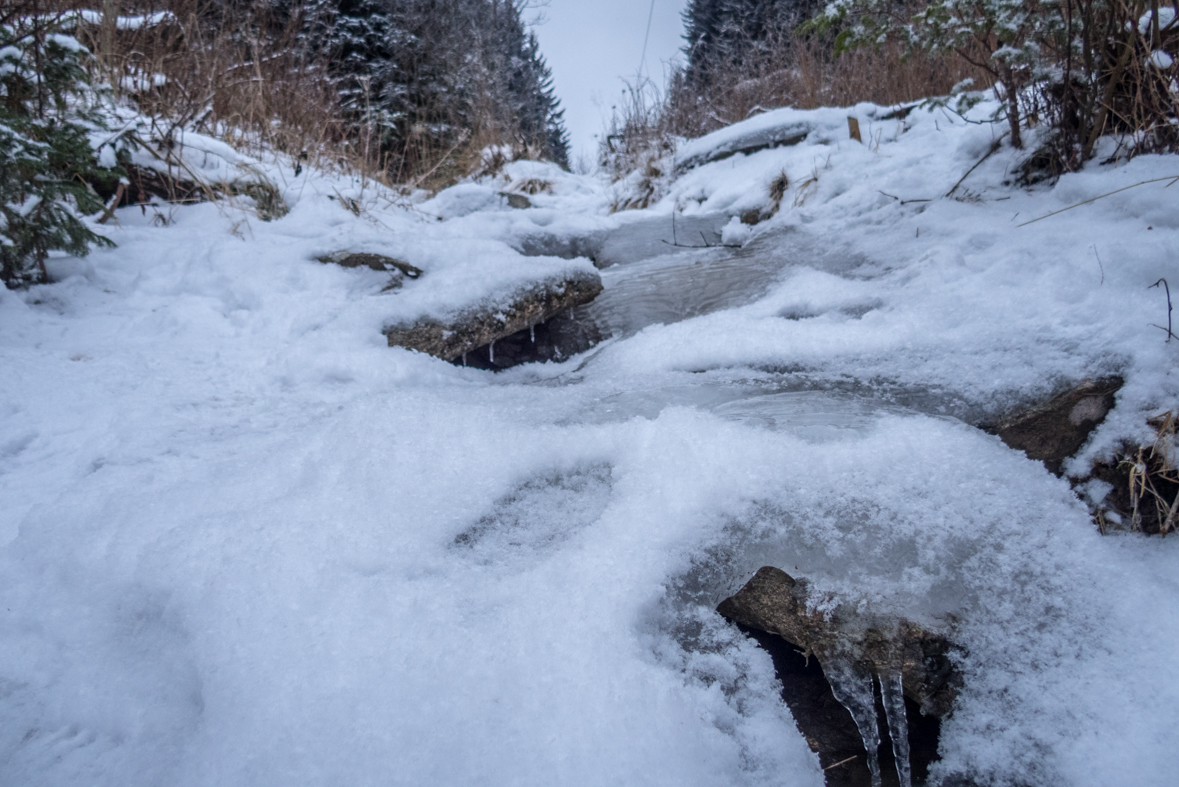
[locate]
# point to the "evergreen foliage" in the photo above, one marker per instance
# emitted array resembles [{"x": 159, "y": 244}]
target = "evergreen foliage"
[
  {"x": 431, "y": 74},
  {"x": 46, "y": 160},
  {"x": 726, "y": 34}
]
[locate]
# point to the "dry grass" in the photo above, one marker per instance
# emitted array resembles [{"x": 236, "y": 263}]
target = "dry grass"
[
  {"x": 234, "y": 71},
  {"x": 1153, "y": 478},
  {"x": 803, "y": 71},
  {"x": 237, "y": 71},
  {"x": 640, "y": 134},
  {"x": 791, "y": 70}
]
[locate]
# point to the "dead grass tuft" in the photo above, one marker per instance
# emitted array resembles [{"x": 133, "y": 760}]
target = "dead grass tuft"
[
  {"x": 1153, "y": 478},
  {"x": 532, "y": 186}
]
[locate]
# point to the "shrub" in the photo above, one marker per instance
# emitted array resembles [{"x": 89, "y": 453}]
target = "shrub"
[
  {"x": 46, "y": 160},
  {"x": 1088, "y": 67},
  {"x": 749, "y": 56}
]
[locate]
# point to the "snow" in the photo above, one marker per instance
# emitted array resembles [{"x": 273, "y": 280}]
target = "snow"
[
  {"x": 129, "y": 22},
  {"x": 1160, "y": 59},
  {"x": 242, "y": 541},
  {"x": 735, "y": 233}
]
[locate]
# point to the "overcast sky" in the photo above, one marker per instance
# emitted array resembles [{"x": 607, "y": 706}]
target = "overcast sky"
[{"x": 592, "y": 44}]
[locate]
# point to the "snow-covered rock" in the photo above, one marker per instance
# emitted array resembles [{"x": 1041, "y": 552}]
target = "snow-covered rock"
[{"x": 484, "y": 324}]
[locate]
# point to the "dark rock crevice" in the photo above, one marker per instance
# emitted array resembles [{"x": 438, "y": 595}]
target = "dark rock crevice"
[
  {"x": 772, "y": 608},
  {"x": 828, "y": 726},
  {"x": 775, "y": 602},
  {"x": 555, "y": 340}
]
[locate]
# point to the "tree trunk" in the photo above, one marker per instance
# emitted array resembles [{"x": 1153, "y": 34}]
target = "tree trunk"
[
  {"x": 106, "y": 39},
  {"x": 1008, "y": 80}
]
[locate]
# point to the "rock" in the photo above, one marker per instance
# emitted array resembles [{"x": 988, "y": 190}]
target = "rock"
[
  {"x": 518, "y": 201},
  {"x": 377, "y": 262},
  {"x": 1055, "y": 430},
  {"x": 762, "y": 139},
  {"x": 775, "y": 602},
  {"x": 481, "y": 326}
]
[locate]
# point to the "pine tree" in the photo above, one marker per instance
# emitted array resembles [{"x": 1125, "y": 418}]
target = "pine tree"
[
  {"x": 46, "y": 161},
  {"x": 723, "y": 35},
  {"x": 427, "y": 74}
]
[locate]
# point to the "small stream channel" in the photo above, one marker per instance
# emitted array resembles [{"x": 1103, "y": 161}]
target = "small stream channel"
[{"x": 864, "y": 729}]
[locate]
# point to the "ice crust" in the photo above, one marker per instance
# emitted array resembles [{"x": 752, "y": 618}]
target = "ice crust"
[{"x": 242, "y": 542}]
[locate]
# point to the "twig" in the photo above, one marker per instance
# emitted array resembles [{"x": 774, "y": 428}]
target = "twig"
[
  {"x": 998, "y": 143},
  {"x": 1172, "y": 178},
  {"x": 1165, "y": 527},
  {"x": 842, "y": 762},
  {"x": 706, "y": 245},
  {"x": 1167, "y": 287},
  {"x": 1099, "y": 265},
  {"x": 114, "y": 203},
  {"x": 903, "y": 201}
]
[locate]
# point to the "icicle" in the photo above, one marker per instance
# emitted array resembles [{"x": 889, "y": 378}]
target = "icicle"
[
  {"x": 491, "y": 352},
  {"x": 893, "y": 693},
  {"x": 532, "y": 333},
  {"x": 852, "y": 686},
  {"x": 464, "y": 358}
]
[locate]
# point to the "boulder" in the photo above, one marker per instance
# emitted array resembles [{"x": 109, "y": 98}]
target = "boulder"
[
  {"x": 775, "y": 602},
  {"x": 481, "y": 326},
  {"x": 1055, "y": 430}
]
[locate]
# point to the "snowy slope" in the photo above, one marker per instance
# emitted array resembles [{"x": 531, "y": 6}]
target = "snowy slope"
[{"x": 244, "y": 542}]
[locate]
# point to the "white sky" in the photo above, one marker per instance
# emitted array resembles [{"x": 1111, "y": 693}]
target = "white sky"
[{"x": 591, "y": 45}]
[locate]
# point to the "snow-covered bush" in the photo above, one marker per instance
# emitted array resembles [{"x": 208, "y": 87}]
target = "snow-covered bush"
[
  {"x": 743, "y": 57},
  {"x": 1088, "y": 67},
  {"x": 46, "y": 160}
]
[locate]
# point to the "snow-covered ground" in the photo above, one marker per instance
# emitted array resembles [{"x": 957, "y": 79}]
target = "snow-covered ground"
[{"x": 244, "y": 542}]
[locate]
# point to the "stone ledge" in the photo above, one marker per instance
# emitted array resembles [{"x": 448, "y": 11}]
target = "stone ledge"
[{"x": 480, "y": 326}]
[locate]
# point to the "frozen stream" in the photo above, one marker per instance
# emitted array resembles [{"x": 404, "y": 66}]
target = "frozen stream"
[
  {"x": 649, "y": 281},
  {"x": 244, "y": 542}
]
